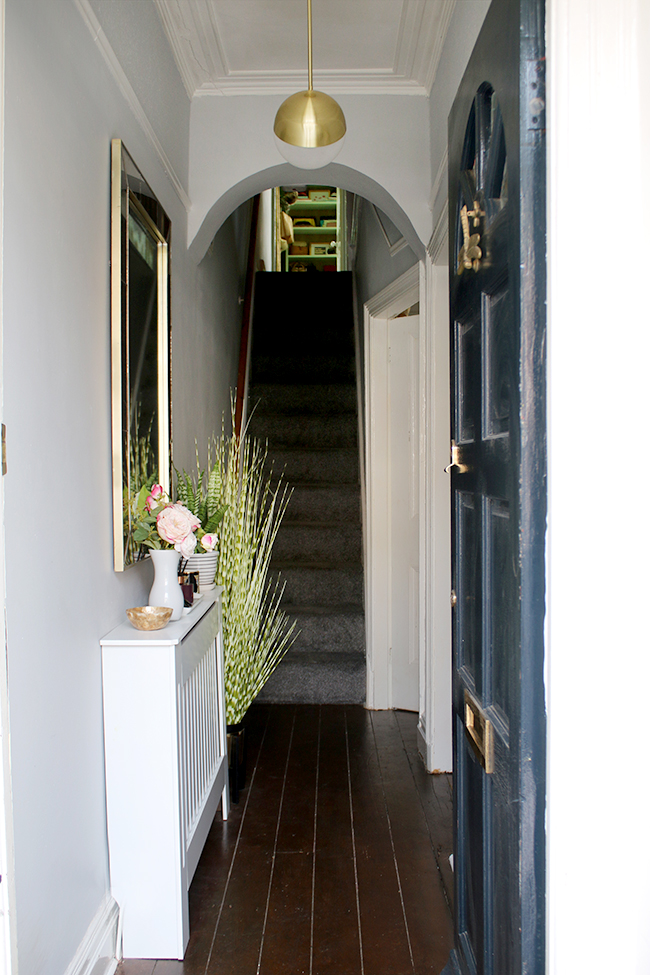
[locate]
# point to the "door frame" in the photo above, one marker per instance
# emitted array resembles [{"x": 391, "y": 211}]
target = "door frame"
[
  {"x": 8, "y": 933},
  {"x": 426, "y": 283}
]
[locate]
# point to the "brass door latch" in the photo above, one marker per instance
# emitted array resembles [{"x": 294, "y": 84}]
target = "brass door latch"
[
  {"x": 470, "y": 253},
  {"x": 456, "y": 461},
  {"x": 479, "y": 732}
]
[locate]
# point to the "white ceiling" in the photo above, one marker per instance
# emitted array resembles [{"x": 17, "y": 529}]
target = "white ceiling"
[{"x": 234, "y": 47}]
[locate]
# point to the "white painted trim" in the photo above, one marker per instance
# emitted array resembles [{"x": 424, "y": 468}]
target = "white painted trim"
[
  {"x": 8, "y": 930},
  {"x": 441, "y": 176},
  {"x": 400, "y": 294},
  {"x": 598, "y": 77},
  {"x": 396, "y": 296},
  {"x": 286, "y": 82},
  {"x": 99, "y": 944},
  {"x": 435, "y": 728},
  {"x": 203, "y": 65},
  {"x": 134, "y": 104},
  {"x": 431, "y": 46},
  {"x": 399, "y": 245},
  {"x": 438, "y": 246}
]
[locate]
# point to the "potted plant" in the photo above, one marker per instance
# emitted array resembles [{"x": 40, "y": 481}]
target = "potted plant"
[
  {"x": 169, "y": 530},
  {"x": 201, "y": 495},
  {"x": 256, "y": 633}
]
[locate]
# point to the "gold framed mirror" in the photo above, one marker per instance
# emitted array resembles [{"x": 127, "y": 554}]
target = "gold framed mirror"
[{"x": 140, "y": 345}]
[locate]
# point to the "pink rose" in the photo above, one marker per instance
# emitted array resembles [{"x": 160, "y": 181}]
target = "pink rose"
[
  {"x": 155, "y": 497},
  {"x": 209, "y": 542},
  {"x": 176, "y": 524},
  {"x": 187, "y": 546}
]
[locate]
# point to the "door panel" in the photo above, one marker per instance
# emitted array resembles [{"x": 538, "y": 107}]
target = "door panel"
[{"x": 496, "y": 167}]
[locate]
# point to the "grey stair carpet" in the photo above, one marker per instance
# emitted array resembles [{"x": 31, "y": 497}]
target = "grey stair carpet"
[{"x": 304, "y": 403}]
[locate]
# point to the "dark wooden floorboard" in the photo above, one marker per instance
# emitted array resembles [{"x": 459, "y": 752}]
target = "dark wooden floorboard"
[{"x": 335, "y": 861}]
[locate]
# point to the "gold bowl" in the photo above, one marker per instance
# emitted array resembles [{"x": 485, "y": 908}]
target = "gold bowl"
[{"x": 149, "y": 617}]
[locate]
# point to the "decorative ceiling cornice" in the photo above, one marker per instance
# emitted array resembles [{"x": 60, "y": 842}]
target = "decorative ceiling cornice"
[{"x": 201, "y": 54}]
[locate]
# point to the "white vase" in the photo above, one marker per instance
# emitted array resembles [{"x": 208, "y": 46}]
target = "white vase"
[
  {"x": 166, "y": 590},
  {"x": 205, "y": 563}
]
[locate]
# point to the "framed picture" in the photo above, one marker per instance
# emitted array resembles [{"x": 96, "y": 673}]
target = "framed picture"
[
  {"x": 319, "y": 194},
  {"x": 318, "y": 250},
  {"x": 140, "y": 340},
  {"x": 327, "y": 222}
]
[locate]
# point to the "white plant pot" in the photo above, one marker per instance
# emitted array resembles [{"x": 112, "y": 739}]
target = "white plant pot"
[{"x": 205, "y": 563}]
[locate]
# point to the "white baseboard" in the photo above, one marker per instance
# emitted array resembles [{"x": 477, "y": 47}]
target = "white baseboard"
[{"x": 97, "y": 953}]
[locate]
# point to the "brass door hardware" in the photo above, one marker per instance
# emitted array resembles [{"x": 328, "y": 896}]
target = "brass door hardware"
[
  {"x": 470, "y": 253},
  {"x": 456, "y": 460},
  {"x": 480, "y": 733},
  {"x": 453, "y": 599}
]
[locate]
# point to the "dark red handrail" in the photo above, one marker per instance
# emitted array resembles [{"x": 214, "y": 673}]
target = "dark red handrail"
[{"x": 247, "y": 316}]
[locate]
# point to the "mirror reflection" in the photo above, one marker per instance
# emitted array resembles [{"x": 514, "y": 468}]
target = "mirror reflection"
[{"x": 140, "y": 345}]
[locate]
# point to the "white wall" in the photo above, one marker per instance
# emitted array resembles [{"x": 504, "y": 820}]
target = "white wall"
[
  {"x": 598, "y": 531},
  {"x": 62, "y": 108}
]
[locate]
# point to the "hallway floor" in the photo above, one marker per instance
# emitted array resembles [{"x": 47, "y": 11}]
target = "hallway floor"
[{"x": 335, "y": 860}]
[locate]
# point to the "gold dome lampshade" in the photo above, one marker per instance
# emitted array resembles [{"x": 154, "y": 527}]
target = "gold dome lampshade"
[{"x": 310, "y": 126}]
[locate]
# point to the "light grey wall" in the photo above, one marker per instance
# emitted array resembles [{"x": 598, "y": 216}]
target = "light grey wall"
[
  {"x": 374, "y": 266},
  {"x": 62, "y": 109},
  {"x": 136, "y": 34},
  {"x": 464, "y": 28},
  {"x": 385, "y": 158}
]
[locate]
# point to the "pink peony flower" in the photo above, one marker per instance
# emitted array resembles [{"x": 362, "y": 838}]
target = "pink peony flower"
[
  {"x": 176, "y": 524},
  {"x": 209, "y": 542}
]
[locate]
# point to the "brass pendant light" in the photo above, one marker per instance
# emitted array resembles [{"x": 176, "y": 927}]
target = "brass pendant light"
[{"x": 310, "y": 126}]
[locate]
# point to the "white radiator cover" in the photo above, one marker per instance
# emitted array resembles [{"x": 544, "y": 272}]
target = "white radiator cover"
[{"x": 166, "y": 770}]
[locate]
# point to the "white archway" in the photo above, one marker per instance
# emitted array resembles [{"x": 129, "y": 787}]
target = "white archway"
[{"x": 386, "y": 158}]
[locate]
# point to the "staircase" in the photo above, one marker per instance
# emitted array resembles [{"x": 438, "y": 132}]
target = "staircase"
[{"x": 305, "y": 405}]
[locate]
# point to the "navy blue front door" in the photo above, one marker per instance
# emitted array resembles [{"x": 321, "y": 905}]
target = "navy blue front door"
[{"x": 497, "y": 282}]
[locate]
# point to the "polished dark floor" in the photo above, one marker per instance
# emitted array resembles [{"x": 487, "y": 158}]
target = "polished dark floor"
[{"x": 335, "y": 859}]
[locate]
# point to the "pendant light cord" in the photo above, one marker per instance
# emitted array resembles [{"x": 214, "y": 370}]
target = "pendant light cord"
[{"x": 309, "y": 54}]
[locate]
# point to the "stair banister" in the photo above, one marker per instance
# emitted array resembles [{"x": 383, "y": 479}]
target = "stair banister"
[{"x": 247, "y": 318}]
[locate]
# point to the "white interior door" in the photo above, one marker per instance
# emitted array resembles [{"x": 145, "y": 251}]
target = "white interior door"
[
  {"x": 403, "y": 369},
  {"x": 392, "y": 547}
]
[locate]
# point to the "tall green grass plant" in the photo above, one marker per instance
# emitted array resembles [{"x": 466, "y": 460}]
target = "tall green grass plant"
[{"x": 256, "y": 632}]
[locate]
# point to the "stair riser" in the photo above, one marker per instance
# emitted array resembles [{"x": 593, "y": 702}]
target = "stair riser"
[
  {"x": 303, "y": 369},
  {"x": 307, "y": 543},
  {"x": 339, "y": 466},
  {"x": 329, "y": 633},
  {"x": 328, "y": 504},
  {"x": 306, "y": 431},
  {"x": 321, "y": 587},
  {"x": 293, "y": 399},
  {"x": 325, "y": 682}
]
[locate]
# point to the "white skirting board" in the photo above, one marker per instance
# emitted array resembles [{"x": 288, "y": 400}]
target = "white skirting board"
[{"x": 97, "y": 953}]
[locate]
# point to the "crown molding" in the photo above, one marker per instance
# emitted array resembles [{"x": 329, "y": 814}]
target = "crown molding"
[
  {"x": 200, "y": 54},
  {"x": 435, "y": 24},
  {"x": 123, "y": 83},
  {"x": 287, "y": 82}
]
